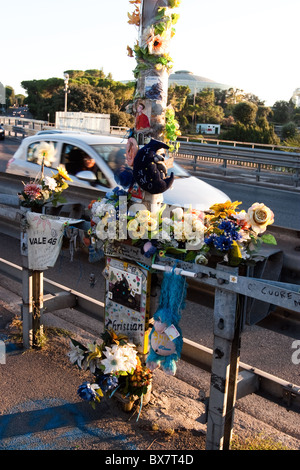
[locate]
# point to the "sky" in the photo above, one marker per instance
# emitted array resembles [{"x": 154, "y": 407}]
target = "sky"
[{"x": 251, "y": 45}]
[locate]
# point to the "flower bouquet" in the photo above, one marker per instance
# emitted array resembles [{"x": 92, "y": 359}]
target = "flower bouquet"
[
  {"x": 45, "y": 189},
  {"x": 117, "y": 370},
  {"x": 232, "y": 236}
]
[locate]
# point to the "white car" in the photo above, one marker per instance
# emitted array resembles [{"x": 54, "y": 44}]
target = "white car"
[{"x": 108, "y": 153}]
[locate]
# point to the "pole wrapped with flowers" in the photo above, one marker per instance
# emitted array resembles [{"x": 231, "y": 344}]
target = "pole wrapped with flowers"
[{"x": 155, "y": 20}]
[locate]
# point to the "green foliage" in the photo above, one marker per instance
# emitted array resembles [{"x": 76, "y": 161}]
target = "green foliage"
[
  {"x": 251, "y": 133},
  {"x": 256, "y": 443},
  {"x": 289, "y": 130},
  {"x": 283, "y": 111},
  {"x": 89, "y": 91},
  {"x": 293, "y": 141},
  {"x": 245, "y": 112}
]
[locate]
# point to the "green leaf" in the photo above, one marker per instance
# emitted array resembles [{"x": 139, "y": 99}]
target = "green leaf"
[{"x": 269, "y": 239}]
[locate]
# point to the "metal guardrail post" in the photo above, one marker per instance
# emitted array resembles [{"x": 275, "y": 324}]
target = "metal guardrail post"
[
  {"x": 32, "y": 299},
  {"x": 224, "y": 371}
]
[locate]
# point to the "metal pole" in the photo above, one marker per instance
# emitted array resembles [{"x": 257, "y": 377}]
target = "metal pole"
[
  {"x": 66, "y": 75},
  {"x": 27, "y": 305},
  {"x": 37, "y": 306}
]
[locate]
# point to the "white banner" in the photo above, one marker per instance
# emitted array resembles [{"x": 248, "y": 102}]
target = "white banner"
[{"x": 44, "y": 239}]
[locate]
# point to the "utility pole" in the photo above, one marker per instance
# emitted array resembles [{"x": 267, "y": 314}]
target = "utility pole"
[
  {"x": 66, "y": 90},
  {"x": 156, "y": 19}
]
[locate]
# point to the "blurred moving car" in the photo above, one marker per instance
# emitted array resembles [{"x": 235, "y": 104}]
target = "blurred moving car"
[
  {"x": 2, "y": 132},
  {"x": 108, "y": 154}
]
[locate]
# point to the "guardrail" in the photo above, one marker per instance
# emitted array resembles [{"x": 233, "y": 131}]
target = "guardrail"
[{"x": 233, "y": 161}]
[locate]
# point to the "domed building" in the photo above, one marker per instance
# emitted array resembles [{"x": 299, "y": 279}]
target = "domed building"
[
  {"x": 195, "y": 82},
  {"x": 296, "y": 98}
]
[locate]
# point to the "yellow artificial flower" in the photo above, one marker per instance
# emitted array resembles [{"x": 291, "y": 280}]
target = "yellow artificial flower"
[
  {"x": 143, "y": 216},
  {"x": 225, "y": 209},
  {"x": 151, "y": 223},
  {"x": 135, "y": 229},
  {"x": 63, "y": 173}
]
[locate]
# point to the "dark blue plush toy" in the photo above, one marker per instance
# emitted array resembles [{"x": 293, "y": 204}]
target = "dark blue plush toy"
[{"x": 149, "y": 169}]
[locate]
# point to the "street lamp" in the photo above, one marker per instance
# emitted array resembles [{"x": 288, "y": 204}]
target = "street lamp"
[{"x": 66, "y": 75}]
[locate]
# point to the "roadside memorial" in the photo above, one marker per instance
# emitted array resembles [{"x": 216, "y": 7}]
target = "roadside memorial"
[
  {"x": 138, "y": 234},
  {"x": 140, "y": 237}
]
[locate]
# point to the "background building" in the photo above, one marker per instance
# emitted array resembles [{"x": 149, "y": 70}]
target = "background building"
[
  {"x": 195, "y": 82},
  {"x": 296, "y": 97}
]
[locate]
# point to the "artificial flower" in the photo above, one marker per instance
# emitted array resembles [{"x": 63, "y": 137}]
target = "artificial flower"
[
  {"x": 225, "y": 209},
  {"x": 157, "y": 45},
  {"x": 119, "y": 359},
  {"x": 45, "y": 153},
  {"x": 136, "y": 230},
  {"x": 143, "y": 215},
  {"x": 259, "y": 217},
  {"x": 89, "y": 392},
  {"x": 177, "y": 213},
  {"x": 201, "y": 259},
  {"x": 76, "y": 354},
  {"x": 50, "y": 182},
  {"x": 32, "y": 190},
  {"x": 63, "y": 173},
  {"x": 94, "y": 356}
]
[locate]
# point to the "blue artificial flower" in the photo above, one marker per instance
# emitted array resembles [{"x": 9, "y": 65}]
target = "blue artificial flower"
[
  {"x": 107, "y": 382},
  {"x": 119, "y": 191},
  {"x": 229, "y": 229},
  {"x": 86, "y": 391},
  {"x": 223, "y": 243},
  {"x": 109, "y": 194},
  {"x": 210, "y": 240}
]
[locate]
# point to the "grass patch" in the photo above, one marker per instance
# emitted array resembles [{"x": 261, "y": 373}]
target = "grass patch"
[{"x": 256, "y": 443}]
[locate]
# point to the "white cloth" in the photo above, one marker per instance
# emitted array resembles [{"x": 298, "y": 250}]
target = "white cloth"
[{"x": 44, "y": 239}]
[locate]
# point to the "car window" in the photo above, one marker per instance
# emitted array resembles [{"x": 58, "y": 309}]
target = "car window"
[
  {"x": 76, "y": 159},
  {"x": 42, "y": 151},
  {"x": 113, "y": 154}
]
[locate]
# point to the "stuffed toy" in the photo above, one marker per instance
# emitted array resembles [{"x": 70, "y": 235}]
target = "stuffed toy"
[
  {"x": 166, "y": 337},
  {"x": 149, "y": 169}
]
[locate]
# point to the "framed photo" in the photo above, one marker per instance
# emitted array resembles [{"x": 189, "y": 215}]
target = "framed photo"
[{"x": 127, "y": 301}]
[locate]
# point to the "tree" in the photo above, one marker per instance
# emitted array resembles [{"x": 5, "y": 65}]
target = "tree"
[
  {"x": 9, "y": 96},
  {"x": 90, "y": 91},
  {"x": 282, "y": 111},
  {"x": 289, "y": 130},
  {"x": 245, "y": 112}
]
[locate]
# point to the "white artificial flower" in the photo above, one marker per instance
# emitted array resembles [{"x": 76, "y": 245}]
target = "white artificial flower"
[
  {"x": 177, "y": 213},
  {"x": 119, "y": 358},
  {"x": 50, "y": 182},
  {"x": 76, "y": 354},
  {"x": 166, "y": 222},
  {"x": 201, "y": 259},
  {"x": 164, "y": 235},
  {"x": 198, "y": 226},
  {"x": 45, "y": 151}
]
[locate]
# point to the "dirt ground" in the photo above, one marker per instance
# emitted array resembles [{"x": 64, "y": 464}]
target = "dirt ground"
[{"x": 40, "y": 408}]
